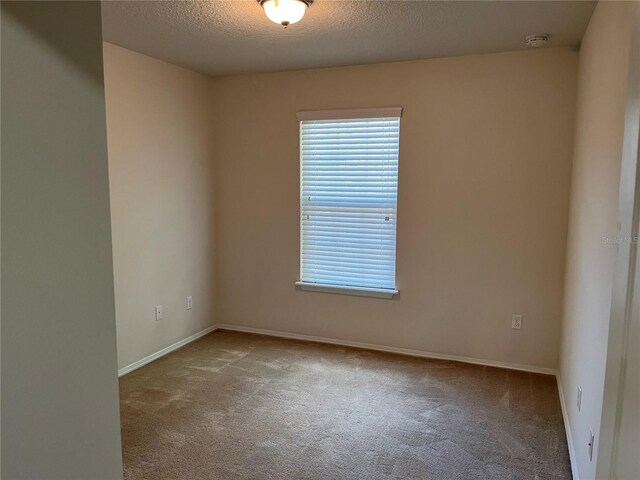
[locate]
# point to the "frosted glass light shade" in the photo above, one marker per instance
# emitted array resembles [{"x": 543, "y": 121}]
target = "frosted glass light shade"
[{"x": 284, "y": 12}]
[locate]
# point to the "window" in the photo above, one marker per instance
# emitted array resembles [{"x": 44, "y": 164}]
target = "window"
[{"x": 348, "y": 200}]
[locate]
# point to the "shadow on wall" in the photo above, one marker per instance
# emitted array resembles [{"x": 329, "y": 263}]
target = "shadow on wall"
[{"x": 64, "y": 42}]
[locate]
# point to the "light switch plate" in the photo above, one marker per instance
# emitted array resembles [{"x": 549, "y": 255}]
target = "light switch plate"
[
  {"x": 159, "y": 312},
  {"x": 579, "y": 400}
]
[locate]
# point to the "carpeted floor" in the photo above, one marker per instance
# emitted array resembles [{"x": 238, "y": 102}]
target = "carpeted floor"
[{"x": 241, "y": 406}]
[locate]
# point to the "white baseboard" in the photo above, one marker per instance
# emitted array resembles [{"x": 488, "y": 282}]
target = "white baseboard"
[
  {"x": 164, "y": 351},
  {"x": 383, "y": 348},
  {"x": 345, "y": 343},
  {"x": 331, "y": 341},
  {"x": 567, "y": 428}
]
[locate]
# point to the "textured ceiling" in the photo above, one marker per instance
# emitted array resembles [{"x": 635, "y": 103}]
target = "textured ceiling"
[{"x": 234, "y": 36}]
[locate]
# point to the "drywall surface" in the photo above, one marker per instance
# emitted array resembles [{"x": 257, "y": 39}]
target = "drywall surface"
[
  {"x": 591, "y": 246},
  {"x": 485, "y": 158},
  {"x": 162, "y": 204},
  {"x": 60, "y": 416}
]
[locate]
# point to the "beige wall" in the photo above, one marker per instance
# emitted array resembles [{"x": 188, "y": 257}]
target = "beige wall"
[
  {"x": 161, "y": 175},
  {"x": 59, "y": 382},
  {"x": 485, "y": 158},
  {"x": 602, "y": 80}
]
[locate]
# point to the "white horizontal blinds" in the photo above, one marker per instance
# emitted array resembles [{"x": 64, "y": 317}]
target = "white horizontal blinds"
[{"x": 349, "y": 188}]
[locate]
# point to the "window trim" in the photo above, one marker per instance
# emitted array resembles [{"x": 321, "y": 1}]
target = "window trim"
[
  {"x": 347, "y": 290},
  {"x": 381, "y": 112},
  {"x": 354, "y": 113}
]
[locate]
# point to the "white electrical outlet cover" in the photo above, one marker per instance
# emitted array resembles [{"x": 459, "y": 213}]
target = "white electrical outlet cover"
[
  {"x": 516, "y": 321},
  {"x": 189, "y": 302}
]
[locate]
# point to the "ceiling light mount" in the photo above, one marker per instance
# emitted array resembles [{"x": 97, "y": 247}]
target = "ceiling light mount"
[
  {"x": 285, "y": 12},
  {"x": 537, "y": 40}
]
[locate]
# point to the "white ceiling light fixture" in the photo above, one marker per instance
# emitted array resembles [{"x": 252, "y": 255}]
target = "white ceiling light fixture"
[
  {"x": 537, "y": 40},
  {"x": 285, "y": 12}
]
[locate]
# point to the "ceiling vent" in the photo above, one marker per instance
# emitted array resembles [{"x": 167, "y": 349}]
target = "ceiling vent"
[{"x": 537, "y": 40}]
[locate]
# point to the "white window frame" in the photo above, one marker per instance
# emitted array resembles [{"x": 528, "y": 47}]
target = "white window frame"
[{"x": 340, "y": 115}]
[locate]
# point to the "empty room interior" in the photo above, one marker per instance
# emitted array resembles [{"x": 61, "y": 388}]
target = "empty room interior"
[{"x": 320, "y": 239}]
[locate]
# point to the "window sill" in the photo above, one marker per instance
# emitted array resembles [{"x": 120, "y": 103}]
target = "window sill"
[{"x": 356, "y": 291}]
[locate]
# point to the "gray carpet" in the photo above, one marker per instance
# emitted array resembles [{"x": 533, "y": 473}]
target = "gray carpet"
[{"x": 241, "y": 406}]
